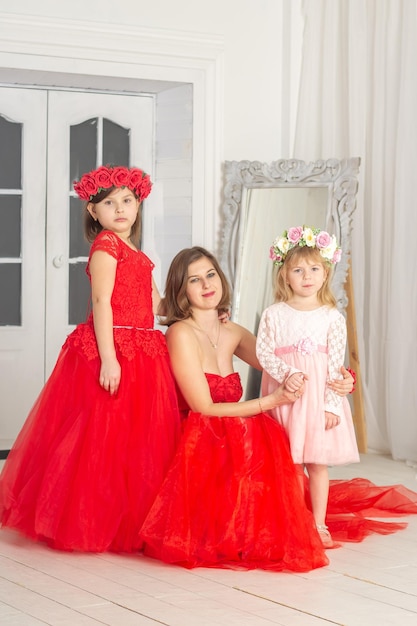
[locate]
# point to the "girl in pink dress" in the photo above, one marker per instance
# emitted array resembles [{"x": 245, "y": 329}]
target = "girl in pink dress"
[
  {"x": 301, "y": 343},
  {"x": 99, "y": 439}
]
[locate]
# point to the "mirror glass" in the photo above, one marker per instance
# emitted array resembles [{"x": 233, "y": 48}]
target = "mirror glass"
[{"x": 261, "y": 201}]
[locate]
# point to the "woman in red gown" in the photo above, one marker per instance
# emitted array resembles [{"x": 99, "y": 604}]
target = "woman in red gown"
[
  {"x": 231, "y": 497},
  {"x": 99, "y": 439}
]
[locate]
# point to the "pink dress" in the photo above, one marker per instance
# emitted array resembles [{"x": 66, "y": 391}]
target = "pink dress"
[
  {"x": 86, "y": 466},
  {"x": 312, "y": 342}
]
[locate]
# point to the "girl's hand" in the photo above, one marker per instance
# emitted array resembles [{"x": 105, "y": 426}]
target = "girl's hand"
[
  {"x": 224, "y": 315},
  {"x": 331, "y": 420},
  {"x": 281, "y": 395},
  {"x": 345, "y": 385},
  {"x": 110, "y": 374},
  {"x": 295, "y": 383}
]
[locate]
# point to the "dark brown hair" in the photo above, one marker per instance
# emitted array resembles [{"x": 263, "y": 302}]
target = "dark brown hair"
[
  {"x": 93, "y": 227},
  {"x": 175, "y": 304}
]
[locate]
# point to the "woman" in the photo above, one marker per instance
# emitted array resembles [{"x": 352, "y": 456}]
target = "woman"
[{"x": 231, "y": 497}]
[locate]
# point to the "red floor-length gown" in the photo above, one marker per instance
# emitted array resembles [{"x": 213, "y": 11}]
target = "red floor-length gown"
[
  {"x": 86, "y": 466},
  {"x": 231, "y": 497}
]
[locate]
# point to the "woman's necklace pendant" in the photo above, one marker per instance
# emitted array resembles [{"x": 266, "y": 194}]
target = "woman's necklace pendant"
[{"x": 213, "y": 345}]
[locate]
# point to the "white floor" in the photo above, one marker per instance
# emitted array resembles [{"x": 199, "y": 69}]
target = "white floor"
[{"x": 373, "y": 583}]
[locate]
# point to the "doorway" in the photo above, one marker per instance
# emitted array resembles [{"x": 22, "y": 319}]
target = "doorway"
[{"x": 48, "y": 139}]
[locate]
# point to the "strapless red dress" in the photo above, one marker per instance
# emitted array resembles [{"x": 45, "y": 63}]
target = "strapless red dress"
[
  {"x": 355, "y": 504},
  {"x": 231, "y": 497}
]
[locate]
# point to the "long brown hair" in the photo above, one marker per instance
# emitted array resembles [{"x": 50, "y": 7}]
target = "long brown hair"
[
  {"x": 93, "y": 227},
  {"x": 283, "y": 291},
  {"x": 175, "y": 303}
]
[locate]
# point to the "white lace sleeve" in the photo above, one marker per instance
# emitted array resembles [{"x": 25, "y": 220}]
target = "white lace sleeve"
[
  {"x": 266, "y": 343},
  {"x": 336, "y": 345}
]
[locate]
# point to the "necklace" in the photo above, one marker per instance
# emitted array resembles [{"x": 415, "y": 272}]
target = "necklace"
[{"x": 212, "y": 343}]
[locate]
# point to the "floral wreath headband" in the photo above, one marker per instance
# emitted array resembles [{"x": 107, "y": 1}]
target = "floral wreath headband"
[
  {"x": 304, "y": 236},
  {"x": 107, "y": 176}
]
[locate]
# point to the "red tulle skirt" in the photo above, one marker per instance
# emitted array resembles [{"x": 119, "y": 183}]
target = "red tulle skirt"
[
  {"x": 86, "y": 466},
  {"x": 232, "y": 499},
  {"x": 355, "y": 504}
]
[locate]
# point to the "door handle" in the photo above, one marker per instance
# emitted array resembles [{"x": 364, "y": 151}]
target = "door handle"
[{"x": 58, "y": 261}]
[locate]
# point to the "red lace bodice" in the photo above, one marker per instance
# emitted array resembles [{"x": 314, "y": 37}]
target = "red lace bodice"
[
  {"x": 131, "y": 303},
  {"x": 132, "y": 294}
]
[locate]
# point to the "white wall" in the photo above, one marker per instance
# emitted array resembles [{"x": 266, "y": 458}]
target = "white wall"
[
  {"x": 253, "y": 35},
  {"x": 174, "y": 171}
]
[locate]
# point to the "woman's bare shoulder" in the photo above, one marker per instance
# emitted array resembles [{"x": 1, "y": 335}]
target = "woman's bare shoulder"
[
  {"x": 179, "y": 330},
  {"x": 237, "y": 329}
]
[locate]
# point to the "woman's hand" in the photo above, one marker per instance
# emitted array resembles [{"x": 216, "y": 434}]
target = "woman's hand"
[
  {"x": 280, "y": 396},
  {"x": 343, "y": 386}
]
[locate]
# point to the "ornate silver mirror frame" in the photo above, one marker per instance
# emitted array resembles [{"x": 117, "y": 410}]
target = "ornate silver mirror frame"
[{"x": 261, "y": 200}]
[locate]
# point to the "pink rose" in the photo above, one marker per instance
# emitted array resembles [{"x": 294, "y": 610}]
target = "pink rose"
[
  {"x": 275, "y": 256},
  {"x": 323, "y": 239},
  {"x": 294, "y": 234},
  {"x": 337, "y": 255}
]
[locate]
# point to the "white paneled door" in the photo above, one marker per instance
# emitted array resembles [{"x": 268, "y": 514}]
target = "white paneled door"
[
  {"x": 48, "y": 139},
  {"x": 23, "y": 119}
]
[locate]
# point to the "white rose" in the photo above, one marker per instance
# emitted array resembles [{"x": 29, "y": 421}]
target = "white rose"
[
  {"x": 328, "y": 252},
  {"x": 309, "y": 237},
  {"x": 283, "y": 245}
]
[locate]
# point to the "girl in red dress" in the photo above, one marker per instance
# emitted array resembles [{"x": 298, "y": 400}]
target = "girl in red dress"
[{"x": 99, "y": 439}]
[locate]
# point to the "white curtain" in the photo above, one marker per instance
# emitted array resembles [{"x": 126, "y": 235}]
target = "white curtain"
[{"x": 358, "y": 97}]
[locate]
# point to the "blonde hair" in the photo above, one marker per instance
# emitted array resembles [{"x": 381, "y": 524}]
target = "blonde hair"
[{"x": 283, "y": 291}]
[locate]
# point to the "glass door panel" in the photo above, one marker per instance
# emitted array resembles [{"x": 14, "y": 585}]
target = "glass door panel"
[
  {"x": 22, "y": 255},
  {"x": 94, "y": 142},
  {"x": 85, "y": 130},
  {"x": 10, "y": 219}
]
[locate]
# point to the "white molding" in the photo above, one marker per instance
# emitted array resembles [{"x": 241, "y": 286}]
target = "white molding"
[
  {"x": 100, "y": 40},
  {"x": 72, "y": 53}
]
